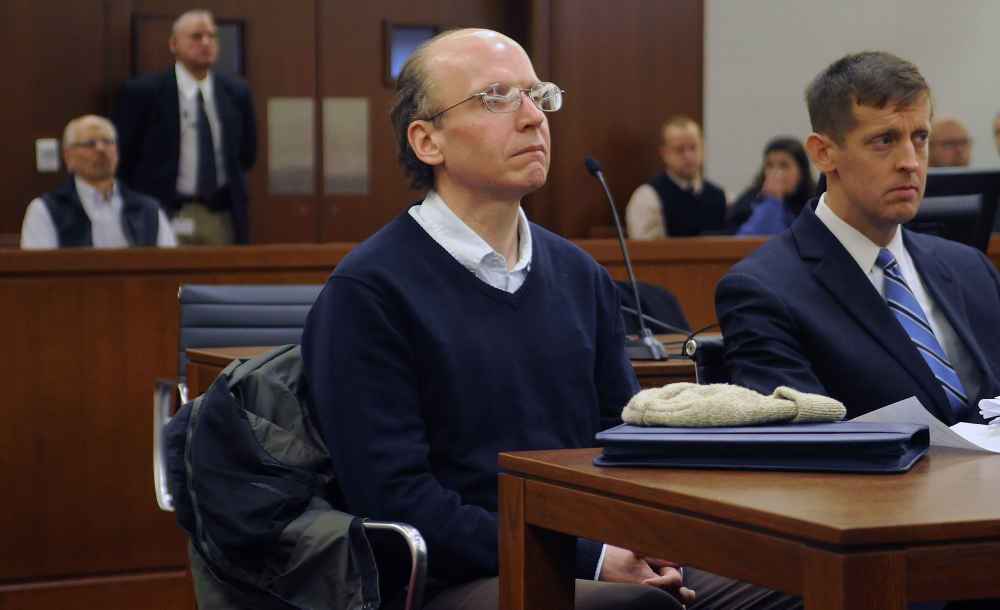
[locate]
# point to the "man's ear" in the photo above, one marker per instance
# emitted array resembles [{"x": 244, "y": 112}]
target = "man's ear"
[
  {"x": 423, "y": 139},
  {"x": 172, "y": 44},
  {"x": 823, "y": 152}
]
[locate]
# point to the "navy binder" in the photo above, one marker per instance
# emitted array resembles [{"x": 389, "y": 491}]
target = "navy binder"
[{"x": 843, "y": 446}]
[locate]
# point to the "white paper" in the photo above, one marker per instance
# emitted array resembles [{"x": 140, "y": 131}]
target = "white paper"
[
  {"x": 990, "y": 407},
  {"x": 987, "y": 437},
  {"x": 959, "y": 436}
]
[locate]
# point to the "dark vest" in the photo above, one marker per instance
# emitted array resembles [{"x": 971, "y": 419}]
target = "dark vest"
[
  {"x": 140, "y": 217},
  {"x": 688, "y": 214}
]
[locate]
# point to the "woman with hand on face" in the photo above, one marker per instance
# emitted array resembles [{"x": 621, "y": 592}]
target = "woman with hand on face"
[{"x": 778, "y": 194}]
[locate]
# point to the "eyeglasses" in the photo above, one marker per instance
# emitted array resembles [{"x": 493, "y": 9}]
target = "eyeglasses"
[
  {"x": 956, "y": 143},
  {"x": 504, "y": 97},
  {"x": 107, "y": 142}
]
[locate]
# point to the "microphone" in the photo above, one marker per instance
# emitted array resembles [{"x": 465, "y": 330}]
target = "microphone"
[{"x": 646, "y": 347}]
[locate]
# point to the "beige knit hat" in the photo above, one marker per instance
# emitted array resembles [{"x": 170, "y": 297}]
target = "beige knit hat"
[{"x": 689, "y": 405}]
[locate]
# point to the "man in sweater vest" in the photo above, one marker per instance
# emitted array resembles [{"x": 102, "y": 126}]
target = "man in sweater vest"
[
  {"x": 678, "y": 202},
  {"x": 92, "y": 209},
  {"x": 461, "y": 330}
]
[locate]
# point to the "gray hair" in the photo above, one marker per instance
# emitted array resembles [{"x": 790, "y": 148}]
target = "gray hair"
[{"x": 69, "y": 134}]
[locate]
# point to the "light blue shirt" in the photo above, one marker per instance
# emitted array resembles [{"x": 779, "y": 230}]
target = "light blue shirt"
[{"x": 471, "y": 250}]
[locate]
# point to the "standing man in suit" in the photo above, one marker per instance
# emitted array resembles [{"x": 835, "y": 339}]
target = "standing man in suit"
[
  {"x": 820, "y": 307},
  {"x": 678, "y": 202},
  {"x": 188, "y": 136}
]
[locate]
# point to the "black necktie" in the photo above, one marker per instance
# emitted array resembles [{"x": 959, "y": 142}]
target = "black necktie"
[{"x": 206, "y": 179}]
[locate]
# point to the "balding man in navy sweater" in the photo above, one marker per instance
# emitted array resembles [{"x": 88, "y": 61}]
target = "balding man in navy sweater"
[{"x": 461, "y": 330}]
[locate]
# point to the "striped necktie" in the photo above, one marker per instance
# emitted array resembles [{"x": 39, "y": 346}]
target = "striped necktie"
[{"x": 909, "y": 313}]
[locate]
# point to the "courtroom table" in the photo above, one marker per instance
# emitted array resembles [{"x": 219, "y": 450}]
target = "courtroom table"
[
  {"x": 841, "y": 541},
  {"x": 207, "y": 362}
]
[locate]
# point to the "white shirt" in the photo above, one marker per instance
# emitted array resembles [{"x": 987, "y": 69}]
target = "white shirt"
[
  {"x": 106, "y": 231},
  {"x": 187, "y": 93},
  {"x": 644, "y": 212},
  {"x": 471, "y": 250},
  {"x": 864, "y": 251}
]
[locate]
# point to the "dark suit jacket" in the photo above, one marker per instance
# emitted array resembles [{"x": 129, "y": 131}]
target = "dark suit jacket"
[
  {"x": 149, "y": 138},
  {"x": 799, "y": 312}
]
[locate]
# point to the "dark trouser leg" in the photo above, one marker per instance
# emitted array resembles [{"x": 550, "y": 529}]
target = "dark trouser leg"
[
  {"x": 720, "y": 593},
  {"x": 484, "y": 594}
]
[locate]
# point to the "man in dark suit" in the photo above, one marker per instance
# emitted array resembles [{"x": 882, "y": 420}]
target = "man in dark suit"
[
  {"x": 821, "y": 307},
  {"x": 167, "y": 124}
]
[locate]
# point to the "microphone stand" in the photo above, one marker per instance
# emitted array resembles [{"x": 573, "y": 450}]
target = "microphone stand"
[{"x": 646, "y": 346}]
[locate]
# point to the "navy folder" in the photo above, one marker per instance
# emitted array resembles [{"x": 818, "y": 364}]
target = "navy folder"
[{"x": 843, "y": 446}]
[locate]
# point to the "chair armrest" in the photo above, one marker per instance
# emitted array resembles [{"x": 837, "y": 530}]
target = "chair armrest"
[
  {"x": 165, "y": 395},
  {"x": 418, "y": 557}
]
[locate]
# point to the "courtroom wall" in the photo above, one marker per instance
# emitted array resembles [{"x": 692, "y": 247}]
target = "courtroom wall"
[
  {"x": 625, "y": 65},
  {"x": 759, "y": 57}
]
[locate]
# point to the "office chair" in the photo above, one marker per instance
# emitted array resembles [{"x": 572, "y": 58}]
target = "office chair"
[
  {"x": 241, "y": 315},
  {"x": 226, "y": 316},
  {"x": 708, "y": 354},
  {"x": 250, "y": 481},
  {"x": 657, "y": 302}
]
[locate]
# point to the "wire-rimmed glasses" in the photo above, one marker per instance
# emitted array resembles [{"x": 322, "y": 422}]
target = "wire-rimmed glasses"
[{"x": 505, "y": 97}]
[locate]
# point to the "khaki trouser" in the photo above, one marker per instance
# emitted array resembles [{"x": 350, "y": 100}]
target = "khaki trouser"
[{"x": 196, "y": 225}]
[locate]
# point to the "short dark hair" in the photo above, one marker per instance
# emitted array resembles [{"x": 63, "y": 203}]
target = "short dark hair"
[{"x": 870, "y": 78}]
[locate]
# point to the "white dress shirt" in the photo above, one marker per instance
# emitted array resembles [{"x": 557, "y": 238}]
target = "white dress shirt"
[
  {"x": 864, "y": 251},
  {"x": 471, "y": 250},
  {"x": 187, "y": 93},
  {"x": 106, "y": 230}
]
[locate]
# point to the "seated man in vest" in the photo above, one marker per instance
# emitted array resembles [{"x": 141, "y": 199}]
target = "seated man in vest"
[
  {"x": 92, "y": 209},
  {"x": 678, "y": 202}
]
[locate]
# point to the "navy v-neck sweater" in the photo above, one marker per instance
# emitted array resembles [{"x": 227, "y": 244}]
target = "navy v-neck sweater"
[{"x": 421, "y": 374}]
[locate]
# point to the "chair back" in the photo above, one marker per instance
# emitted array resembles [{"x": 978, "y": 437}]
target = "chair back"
[
  {"x": 657, "y": 303},
  {"x": 241, "y": 315},
  {"x": 708, "y": 353}
]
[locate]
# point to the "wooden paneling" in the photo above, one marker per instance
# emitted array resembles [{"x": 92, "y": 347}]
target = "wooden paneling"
[
  {"x": 161, "y": 590},
  {"x": 86, "y": 334},
  {"x": 44, "y": 90},
  {"x": 626, "y": 67},
  {"x": 319, "y": 48}
]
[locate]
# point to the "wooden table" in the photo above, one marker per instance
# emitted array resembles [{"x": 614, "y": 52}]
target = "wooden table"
[
  {"x": 206, "y": 364},
  {"x": 842, "y": 541}
]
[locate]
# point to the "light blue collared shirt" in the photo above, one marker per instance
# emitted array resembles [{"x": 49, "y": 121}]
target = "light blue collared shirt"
[{"x": 471, "y": 250}]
